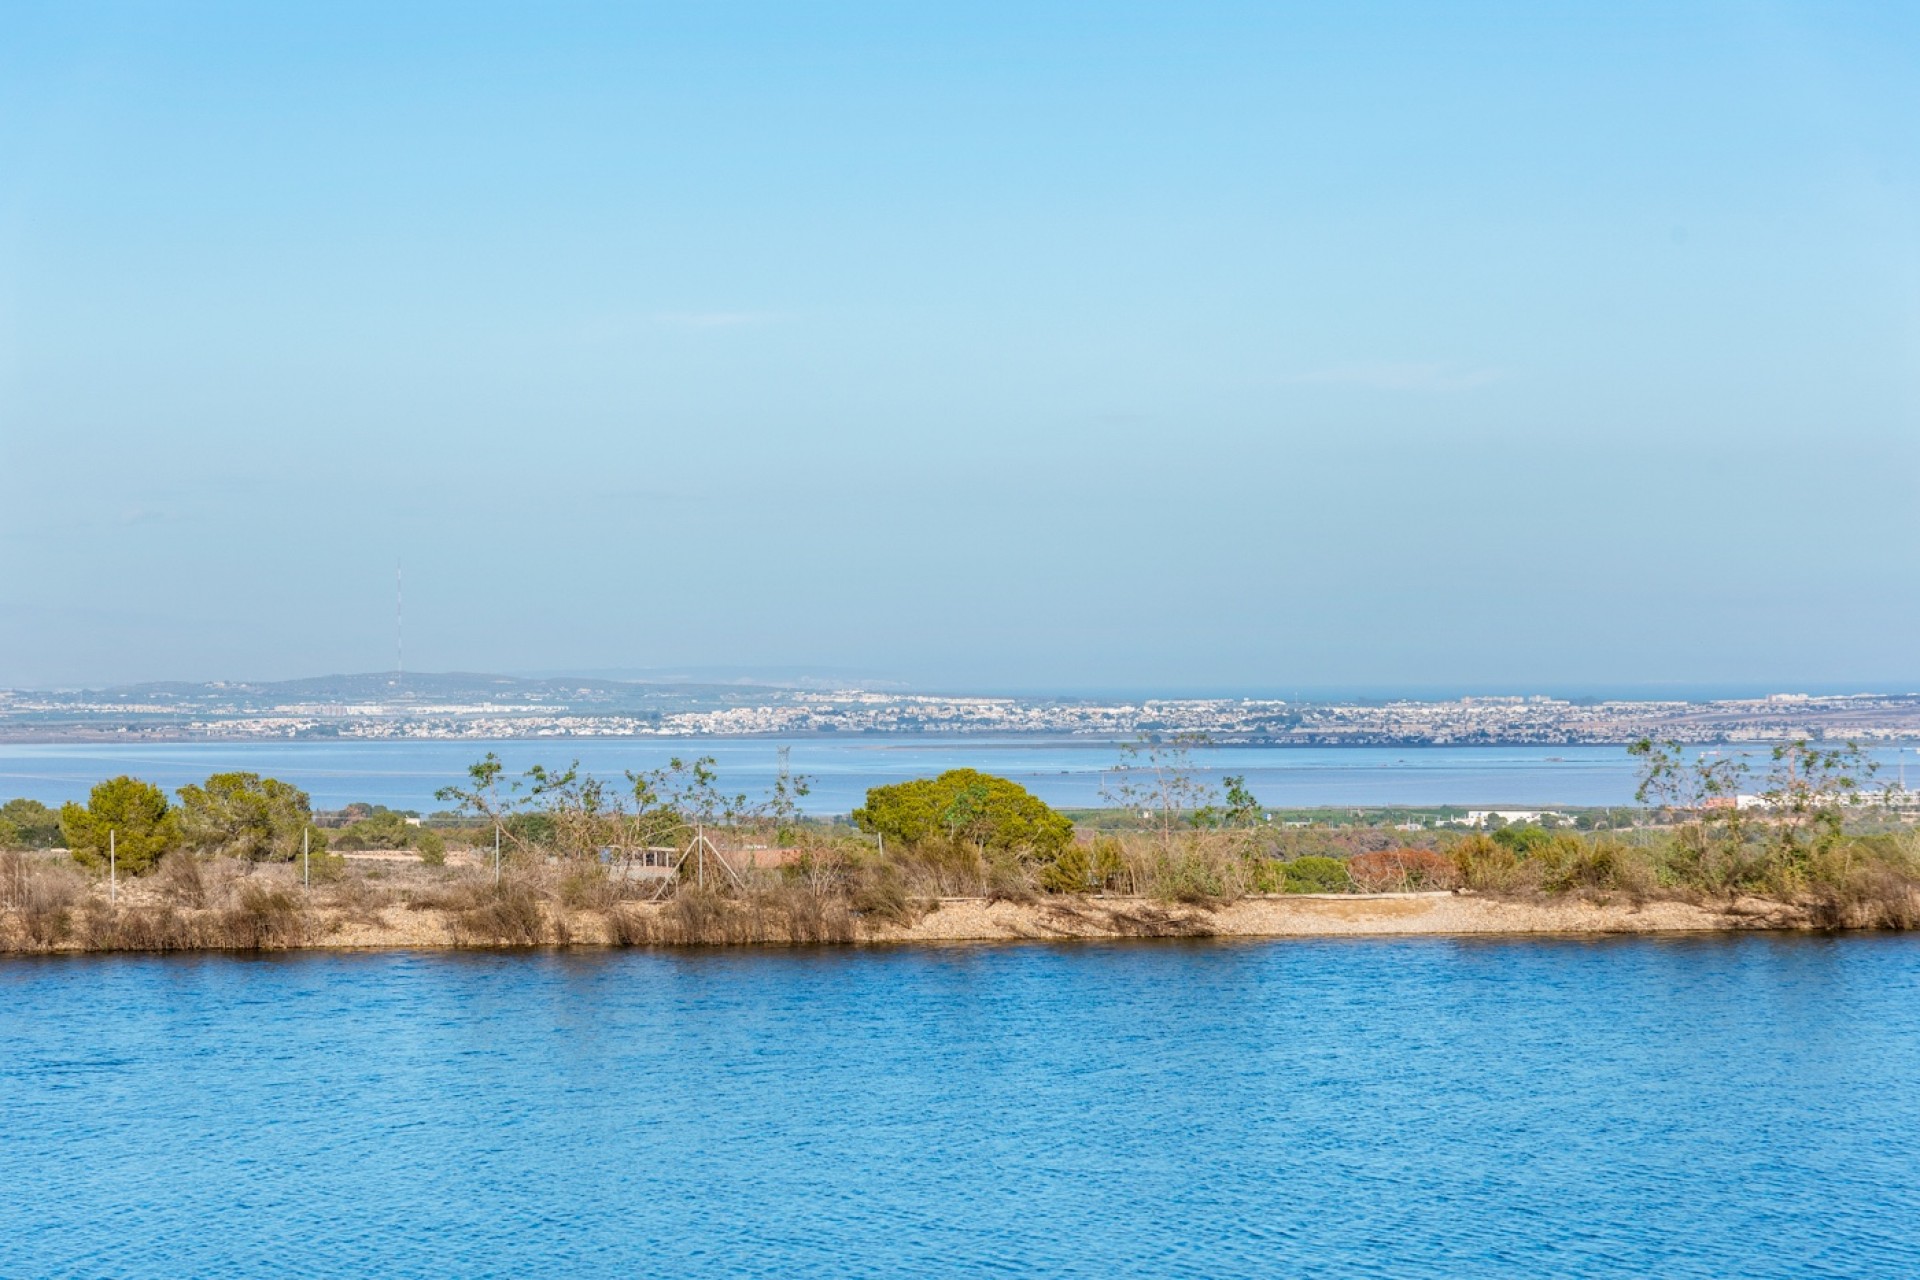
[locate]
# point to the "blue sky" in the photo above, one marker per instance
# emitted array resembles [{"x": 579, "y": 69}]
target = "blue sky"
[{"x": 1031, "y": 346}]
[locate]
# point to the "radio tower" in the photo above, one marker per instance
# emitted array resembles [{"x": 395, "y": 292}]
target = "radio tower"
[{"x": 399, "y": 627}]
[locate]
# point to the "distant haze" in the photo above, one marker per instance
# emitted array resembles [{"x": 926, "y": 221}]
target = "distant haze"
[{"x": 1124, "y": 347}]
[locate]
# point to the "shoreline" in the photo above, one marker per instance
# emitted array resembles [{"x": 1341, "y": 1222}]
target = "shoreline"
[{"x": 978, "y": 920}]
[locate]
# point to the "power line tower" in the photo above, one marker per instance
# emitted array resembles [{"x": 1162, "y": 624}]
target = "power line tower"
[
  {"x": 399, "y": 626},
  {"x": 702, "y": 853}
]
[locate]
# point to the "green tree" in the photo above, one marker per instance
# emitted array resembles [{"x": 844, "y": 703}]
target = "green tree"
[
  {"x": 136, "y": 816},
  {"x": 965, "y": 805},
  {"x": 382, "y": 828},
  {"x": 31, "y": 825},
  {"x": 242, "y": 815}
]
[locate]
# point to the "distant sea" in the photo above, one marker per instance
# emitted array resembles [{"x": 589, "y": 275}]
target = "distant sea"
[{"x": 1064, "y": 772}]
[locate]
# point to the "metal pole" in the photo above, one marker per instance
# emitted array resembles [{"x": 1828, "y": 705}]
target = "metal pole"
[
  {"x": 496, "y": 853},
  {"x": 113, "y": 869},
  {"x": 306, "y": 861},
  {"x": 700, "y": 852}
]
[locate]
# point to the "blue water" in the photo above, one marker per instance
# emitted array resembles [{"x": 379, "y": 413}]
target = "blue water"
[
  {"x": 1698, "y": 1107},
  {"x": 404, "y": 775}
]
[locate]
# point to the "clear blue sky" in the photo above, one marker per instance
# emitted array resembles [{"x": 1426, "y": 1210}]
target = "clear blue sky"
[{"x": 1014, "y": 346}]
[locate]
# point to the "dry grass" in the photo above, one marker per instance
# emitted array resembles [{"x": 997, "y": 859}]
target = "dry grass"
[
  {"x": 182, "y": 878},
  {"x": 510, "y": 913},
  {"x": 1200, "y": 883},
  {"x": 261, "y": 918},
  {"x": 360, "y": 899},
  {"x": 42, "y": 897}
]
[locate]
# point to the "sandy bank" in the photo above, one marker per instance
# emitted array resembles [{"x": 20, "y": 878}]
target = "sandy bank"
[
  {"x": 1312, "y": 917},
  {"x": 400, "y": 926}
]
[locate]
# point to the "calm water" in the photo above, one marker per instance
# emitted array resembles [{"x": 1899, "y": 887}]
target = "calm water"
[
  {"x": 1697, "y": 1107},
  {"x": 404, "y": 775}
]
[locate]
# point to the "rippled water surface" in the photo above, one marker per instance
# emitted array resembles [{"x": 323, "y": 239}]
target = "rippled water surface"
[{"x": 1694, "y": 1107}]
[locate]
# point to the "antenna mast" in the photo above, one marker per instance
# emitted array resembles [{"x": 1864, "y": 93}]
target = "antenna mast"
[{"x": 399, "y": 626}]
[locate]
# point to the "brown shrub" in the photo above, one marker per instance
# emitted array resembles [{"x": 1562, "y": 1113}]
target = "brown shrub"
[
  {"x": 507, "y": 914},
  {"x": 261, "y": 918},
  {"x": 811, "y": 917},
  {"x": 628, "y": 927},
  {"x": 1199, "y": 871},
  {"x": 181, "y": 880},
  {"x": 360, "y": 900},
  {"x": 879, "y": 893},
  {"x": 1391, "y": 870},
  {"x": 1873, "y": 896},
  {"x": 704, "y": 917},
  {"x": 451, "y": 896},
  {"x": 1009, "y": 880},
  {"x": 790, "y": 913},
  {"x": 153, "y": 926},
  {"x": 940, "y": 869},
  {"x": 13, "y": 879},
  {"x": 42, "y": 895},
  {"x": 589, "y": 887}
]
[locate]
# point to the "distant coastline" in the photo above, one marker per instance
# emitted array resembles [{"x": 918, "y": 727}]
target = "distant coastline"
[{"x": 377, "y": 708}]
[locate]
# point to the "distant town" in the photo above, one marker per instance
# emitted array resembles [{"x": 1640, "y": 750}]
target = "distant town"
[{"x": 388, "y": 706}]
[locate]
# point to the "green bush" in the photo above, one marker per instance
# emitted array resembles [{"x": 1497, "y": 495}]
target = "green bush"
[
  {"x": 1524, "y": 841},
  {"x": 1315, "y": 874}
]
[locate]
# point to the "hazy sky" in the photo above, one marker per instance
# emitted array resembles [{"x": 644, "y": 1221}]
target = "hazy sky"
[{"x": 1021, "y": 346}]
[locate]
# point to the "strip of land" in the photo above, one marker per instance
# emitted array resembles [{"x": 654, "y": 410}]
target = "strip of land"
[{"x": 283, "y": 920}]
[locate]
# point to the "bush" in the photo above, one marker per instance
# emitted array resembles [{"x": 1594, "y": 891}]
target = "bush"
[
  {"x": 262, "y": 918},
  {"x": 180, "y": 879},
  {"x": 1402, "y": 869},
  {"x": 879, "y": 892},
  {"x": 1523, "y": 841},
  {"x": 44, "y": 897},
  {"x": 508, "y": 913},
  {"x": 1483, "y": 864},
  {"x": 1314, "y": 874}
]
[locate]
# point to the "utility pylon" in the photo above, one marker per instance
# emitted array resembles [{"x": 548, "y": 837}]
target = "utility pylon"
[{"x": 700, "y": 851}]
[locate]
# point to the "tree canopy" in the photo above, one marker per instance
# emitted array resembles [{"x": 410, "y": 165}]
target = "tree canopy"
[
  {"x": 965, "y": 805},
  {"x": 136, "y": 814},
  {"x": 28, "y": 824},
  {"x": 379, "y": 827},
  {"x": 243, "y": 815}
]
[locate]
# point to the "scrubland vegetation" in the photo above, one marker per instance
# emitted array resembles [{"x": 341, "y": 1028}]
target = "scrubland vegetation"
[{"x": 555, "y": 856}]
